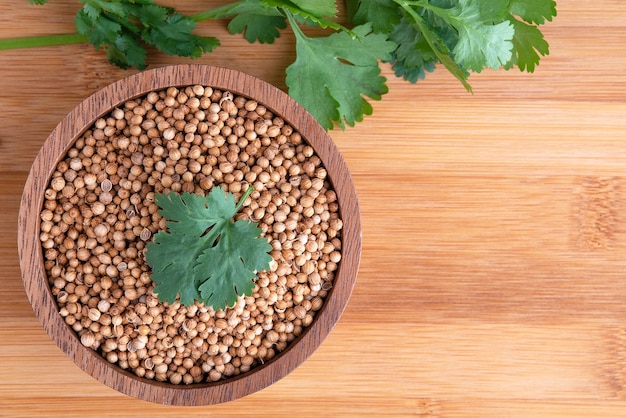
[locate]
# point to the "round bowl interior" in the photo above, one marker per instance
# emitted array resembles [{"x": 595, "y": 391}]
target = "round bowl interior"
[{"x": 32, "y": 262}]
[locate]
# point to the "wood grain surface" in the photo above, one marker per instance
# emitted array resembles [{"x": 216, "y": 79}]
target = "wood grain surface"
[{"x": 492, "y": 280}]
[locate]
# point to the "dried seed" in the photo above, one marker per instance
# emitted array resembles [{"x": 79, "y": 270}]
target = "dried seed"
[
  {"x": 87, "y": 339},
  {"x": 145, "y": 234},
  {"x": 106, "y": 185},
  {"x": 101, "y": 230},
  {"x": 226, "y": 96},
  {"x": 58, "y": 183}
]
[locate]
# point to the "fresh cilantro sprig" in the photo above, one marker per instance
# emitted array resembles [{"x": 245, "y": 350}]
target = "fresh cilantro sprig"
[
  {"x": 335, "y": 75},
  {"x": 205, "y": 256},
  {"x": 463, "y": 35},
  {"x": 122, "y": 28}
]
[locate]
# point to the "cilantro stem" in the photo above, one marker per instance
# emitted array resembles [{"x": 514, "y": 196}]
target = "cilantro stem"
[
  {"x": 437, "y": 10},
  {"x": 294, "y": 26},
  {"x": 243, "y": 198},
  {"x": 40, "y": 41},
  {"x": 76, "y": 38},
  {"x": 214, "y": 13}
]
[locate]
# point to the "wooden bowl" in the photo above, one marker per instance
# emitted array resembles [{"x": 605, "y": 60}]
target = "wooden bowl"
[{"x": 31, "y": 258}]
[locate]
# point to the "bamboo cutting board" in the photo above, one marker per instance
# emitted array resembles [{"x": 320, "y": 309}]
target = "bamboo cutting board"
[{"x": 493, "y": 273}]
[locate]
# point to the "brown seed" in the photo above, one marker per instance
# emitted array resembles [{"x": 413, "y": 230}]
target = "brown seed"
[
  {"x": 106, "y": 185},
  {"x": 87, "y": 339},
  {"x": 309, "y": 267},
  {"x": 160, "y": 368},
  {"x": 101, "y": 230},
  {"x": 94, "y": 314},
  {"x": 58, "y": 183},
  {"x": 105, "y": 198},
  {"x": 104, "y": 305},
  {"x": 299, "y": 311},
  {"x": 176, "y": 378},
  {"x": 83, "y": 254},
  {"x": 98, "y": 208},
  {"x": 145, "y": 234}
]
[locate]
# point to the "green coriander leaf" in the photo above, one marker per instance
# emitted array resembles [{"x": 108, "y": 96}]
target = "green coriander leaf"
[
  {"x": 351, "y": 8},
  {"x": 123, "y": 27},
  {"x": 121, "y": 45},
  {"x": 414, "y": 56},
  {"x": 431, "y": 28},
  {"x": 528, "y": 44},
  {"x": 204, "y": 255},
  {"x": 332, "y": 74},
  {"x": 383, "y": 14},
  {"x": 38, "y": 1},
  {"x": 150, "y": 14},
  {"x": 311, "y": 8},
  {"x": 528, "y": 41},
  {"x": 84, "y": 23},
  {"x": 411, "y": 74},
  {"x": 126, "y": 52},
  {"x": 172, "y": 257},
  {"x": 256, "y": 20},
  {"x": 327, "y": 8},
  {"x": 481, "y": 43},
  {"x": 91, "y": 11},
  {"x": 533, "y": 11},
  {"x": 305, "y": 15},
  {"x": 229, "y": 266},
  {"x": 258, "y": 28},
  {"x": 102, "y": 31},
  {"x": 487, "y": 46},
  {"x": 173, "y": 36},
  {"x": 192, "y": 215},
  {"x": 111, "y": 7},
  {"x": 446, "y": 4},
  {"x": 493, "y": 10}
]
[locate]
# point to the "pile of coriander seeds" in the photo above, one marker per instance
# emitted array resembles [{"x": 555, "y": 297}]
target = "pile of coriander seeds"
[{"x": 99, "y": 213}]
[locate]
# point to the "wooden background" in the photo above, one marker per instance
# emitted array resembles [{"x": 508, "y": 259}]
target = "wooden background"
[{"x": 493, "y": 274}]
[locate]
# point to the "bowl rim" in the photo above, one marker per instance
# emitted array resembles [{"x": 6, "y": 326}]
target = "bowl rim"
[{"x": 75, "y": 124}]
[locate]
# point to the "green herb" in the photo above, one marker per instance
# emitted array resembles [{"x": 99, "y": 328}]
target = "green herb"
[
  {"x": 347, "y": 74},
  {"x": 205, "y": 256},
  {"x": 462, "y": 35},
  {"x": 334, "y": 76}
]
